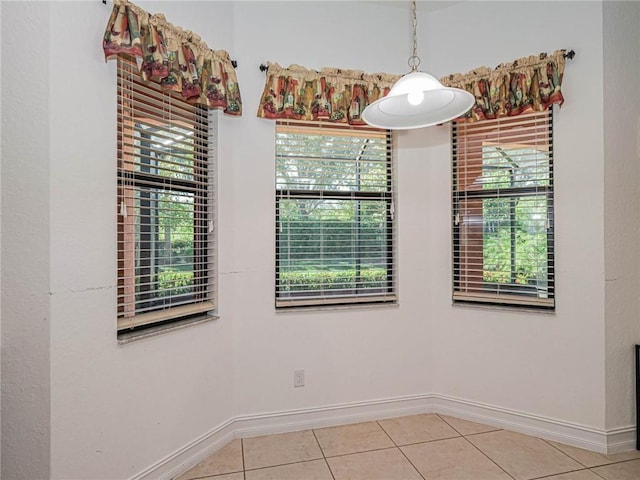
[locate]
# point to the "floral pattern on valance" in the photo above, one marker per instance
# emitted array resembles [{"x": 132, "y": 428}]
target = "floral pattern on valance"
[
  {"x": 176, "y": 59},
  {"x": 529, "y": 84},
  {"x": 331, "y": 94}
]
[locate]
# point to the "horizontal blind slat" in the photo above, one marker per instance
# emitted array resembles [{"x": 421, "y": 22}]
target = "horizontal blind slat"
[
  {"x": 165, "y": 247},
  {"x": 163, "y": 315},
  {"x": 503, "y": 211},
  {"x": 334, "y": 232}
]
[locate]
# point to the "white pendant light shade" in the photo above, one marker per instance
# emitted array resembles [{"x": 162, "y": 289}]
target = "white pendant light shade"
[{"x": 417, "y": 100}]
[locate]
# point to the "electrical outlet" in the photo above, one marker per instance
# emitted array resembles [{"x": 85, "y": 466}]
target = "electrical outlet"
[{"x": 298, "y": 378}]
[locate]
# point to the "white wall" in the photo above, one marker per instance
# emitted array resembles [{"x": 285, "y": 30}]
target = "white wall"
[
  {"x": 621, "y": 200},
  {"x": 549, "y": 365},
  {"x": 25, "y": 253},
  {"x": 348, "y": 355},
  {"x": 115, "y": 410},
  {"x": 540, "y": 364}
]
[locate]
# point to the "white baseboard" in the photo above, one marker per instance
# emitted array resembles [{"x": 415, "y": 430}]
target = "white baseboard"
[
  {"x": 534, "y": 425},
  {"x": 602, "y": 441},
  {"x": 621, "y": 440},
  {"x": 613, "y": 441},
  {"x": 304, "y": 419},
  {"x": 189, "y": 455}
]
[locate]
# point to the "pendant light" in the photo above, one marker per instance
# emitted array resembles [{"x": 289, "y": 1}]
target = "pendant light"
[{"x": 417, "y": 99}]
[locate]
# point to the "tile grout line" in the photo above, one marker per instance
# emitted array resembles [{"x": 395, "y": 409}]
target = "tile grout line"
[
  {"x": 474, "y": 446},
  {"x": 487, "y": 456},
  {"x": 611, "y": 462},
  {"x": 495, "y": 429},
  {"x": 428, "y": 441},
  {"x": 361, "y": 451},
  {"x": 580, "y": 463},
  {"x": 244, "y": 470},
  {"x": 271, "y": 466},
  {"x": 478, "y": 448},
  {"x": 454, "y": 428},
  {"x": 323, "y": 455},
  {"x": 551, "y": 475},
  {"x": 467, "y": 438},
  {"x": 615, "y": 463},
  {"x": 574, "y": 459},
  {"x": 400, "y": 450},
  {"x": 597, "y": 474},
  {"x": 387, "y": 434},
  {"x": 422, "y": 442},
  {"x": 263, "y": 467},
  {"x": 488, "y": 431}
]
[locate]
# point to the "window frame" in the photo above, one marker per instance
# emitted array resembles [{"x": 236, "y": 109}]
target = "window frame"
[
  {"x": 137, "y": 186},
  {"x": 388, "y": 294},
  {"x": 504, "y": 294}
]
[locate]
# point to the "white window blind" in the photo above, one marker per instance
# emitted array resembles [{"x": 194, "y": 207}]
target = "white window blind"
[
  {"x": 503, "y": 225},
  {"x": 165, "y": 204},
  {"x": 334, "y": 215}
]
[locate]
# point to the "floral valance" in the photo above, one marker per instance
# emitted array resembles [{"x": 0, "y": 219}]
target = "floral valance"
[
  {"x": 528, "y": 84},
  {"x": 177, "y": 59},
  {"x": 329, "y": 94}
]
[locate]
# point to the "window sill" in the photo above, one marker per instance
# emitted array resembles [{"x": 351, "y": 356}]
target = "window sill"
[
  {"x": 328, "y": 308},
  {"x": 491, "y": 307},
  {"x": 125, "y": 338}
]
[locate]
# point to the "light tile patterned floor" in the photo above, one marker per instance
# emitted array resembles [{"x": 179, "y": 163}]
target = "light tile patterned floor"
[{"x": 417, "y": 447}]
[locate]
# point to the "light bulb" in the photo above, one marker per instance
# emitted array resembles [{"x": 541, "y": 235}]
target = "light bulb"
[{"x": 415, "y": 97}]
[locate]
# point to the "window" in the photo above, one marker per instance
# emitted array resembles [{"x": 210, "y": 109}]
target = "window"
[
  {"x": 334, "y": 215},
  {"x": 503, "y": 211},
  {"x": 165, "y": 196}
]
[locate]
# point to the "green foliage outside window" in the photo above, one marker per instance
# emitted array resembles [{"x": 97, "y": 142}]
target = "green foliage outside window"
[
  {"x": 170, "y": 217},
  {"x": 332, "y": 242},
  {"x": 515, "y": 227}
]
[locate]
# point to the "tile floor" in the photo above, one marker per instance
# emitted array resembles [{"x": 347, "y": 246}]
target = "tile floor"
[{"x": 416, "y": 447}]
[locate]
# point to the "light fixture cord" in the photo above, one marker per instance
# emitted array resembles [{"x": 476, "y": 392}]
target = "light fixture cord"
[{"x": 414, "y": 60}]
